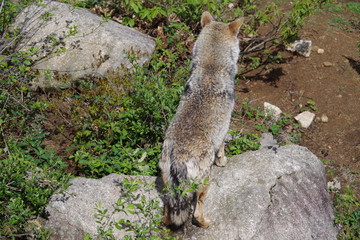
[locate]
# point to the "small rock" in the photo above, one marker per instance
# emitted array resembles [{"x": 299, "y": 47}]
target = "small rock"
[
  {"x": 328, "y": 64},
  {"x": 99, "y": 47},
  {"x": 320, "y": 51},
  {"x": 228, "y": 137},
  {"x": 230, "y": 5},
  {"x": 314, "y": 48},
  {"x": 334, "y": 185},
  {"x": 305, "y": 118},
  {"x": 302, "y": 47},
  {"x": 272, "y": 110},
  {"x": 267, "y": 140},
  {"x": 324, "y": 118}
]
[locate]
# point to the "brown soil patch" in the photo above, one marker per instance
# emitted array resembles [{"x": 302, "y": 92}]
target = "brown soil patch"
[{"x": 335, "y": 90}]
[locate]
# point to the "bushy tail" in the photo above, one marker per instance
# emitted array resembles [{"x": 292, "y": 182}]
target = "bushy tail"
[{"x": 180, "y": 199}]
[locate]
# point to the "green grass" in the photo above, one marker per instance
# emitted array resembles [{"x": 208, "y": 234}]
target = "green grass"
[
  {"x": 337, "y": 8},
  {"x": 353, "y": 7},
  {"x": 339, "y": 20},
  {"x": 347, "y": 213}
]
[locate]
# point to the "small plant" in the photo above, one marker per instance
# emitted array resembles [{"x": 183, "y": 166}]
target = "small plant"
[
  {"x": 340, "y": 21},
  {"x": 285, "y": 129},
  {"x": 284, "y": 26},
  {"x": 29, "y": 176},
  {"x": 241, "y": 142},
  {"x": 354, "y": 7},
  {"x": 9, "y": 9},
  {"x": 249, "y": 111},
  {"x": 334, "y": 7},
  {"x": 149, "y": 215},
  {"x": 134, "y": 12},
  {"x": 311, "y": 104},
  {"x": 186, "y": 186},
  {"x": 347, "y": 214}
]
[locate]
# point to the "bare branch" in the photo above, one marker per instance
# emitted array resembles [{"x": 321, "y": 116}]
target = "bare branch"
[
  {"x": 257, "y": 45},
  {"x": 257, "y": 48},
  {"x": 10, "y": 43},
  {"x": 16, "y": 100},
  {"x": 2, "y": 4}
]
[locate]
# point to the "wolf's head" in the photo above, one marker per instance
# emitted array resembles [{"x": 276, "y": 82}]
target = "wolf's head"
[
  {"x": 217, "y": 46},
  {"x": 231, "y": 30}
]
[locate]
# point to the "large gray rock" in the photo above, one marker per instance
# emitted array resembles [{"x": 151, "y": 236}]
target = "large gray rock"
[
  {"x": 276, "y": 193},
  {"x": 74, "y": 43},
  {"x": 72, "y": 213},
  {"x": 271, "y": 194}
]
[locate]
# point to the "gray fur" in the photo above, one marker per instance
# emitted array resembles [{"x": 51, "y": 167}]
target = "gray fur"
[{"x": 197, "y": 131}]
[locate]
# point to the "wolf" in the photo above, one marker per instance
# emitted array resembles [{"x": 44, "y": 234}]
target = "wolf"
[{"x": 195, "y": 137}]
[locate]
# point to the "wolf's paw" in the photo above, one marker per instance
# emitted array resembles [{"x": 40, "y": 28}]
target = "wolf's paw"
[
  {"x": 221, "y": 161},
  {"x": 201, "y": 221},
  {"x": 204, "y": 223}
]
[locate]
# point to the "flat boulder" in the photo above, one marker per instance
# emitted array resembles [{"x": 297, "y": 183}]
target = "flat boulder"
[
  {"x": 70, "y": 43},
  {"x": 75, "y": 212},
  {"x": 276, "y": 193}
]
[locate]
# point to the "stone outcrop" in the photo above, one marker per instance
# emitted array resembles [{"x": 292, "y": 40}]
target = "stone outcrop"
[
  {"x": 276, "y": 193},
  {"x": 71, "y": 214},
  {"x": 73, "y": 43}
]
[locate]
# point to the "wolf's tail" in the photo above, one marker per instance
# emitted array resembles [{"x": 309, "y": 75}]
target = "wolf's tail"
[{"x": 180, "y": 199}]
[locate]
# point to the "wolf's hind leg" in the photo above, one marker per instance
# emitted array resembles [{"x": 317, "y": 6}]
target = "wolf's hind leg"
[
  {"x": 166, "y": 218},
  {"x": 221, "y": 159},
  {"x": 199, "y": 213}
]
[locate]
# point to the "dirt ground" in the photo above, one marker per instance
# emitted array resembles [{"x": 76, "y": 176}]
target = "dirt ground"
[{"x": 335, "y": 89}]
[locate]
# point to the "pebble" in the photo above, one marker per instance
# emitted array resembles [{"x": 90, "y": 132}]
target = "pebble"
[
  {"x": 328, "y": 64},
  {"x": 267, "y": 140},
  {"x": 334, "y": 185},
  {"x": 305, "y": 119},
  {"x": 302, "y": 47},
  {"x": 314, "y": 48},
  {"x": 272, "y": 110},
  {"x": 320, "y": 51},
  {"x": 324, "y": 118}
]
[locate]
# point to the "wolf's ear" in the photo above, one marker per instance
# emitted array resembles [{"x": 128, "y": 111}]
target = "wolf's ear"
[
  {"x": 235, "y": 25},
  {"x": 206, "y": 18}
]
